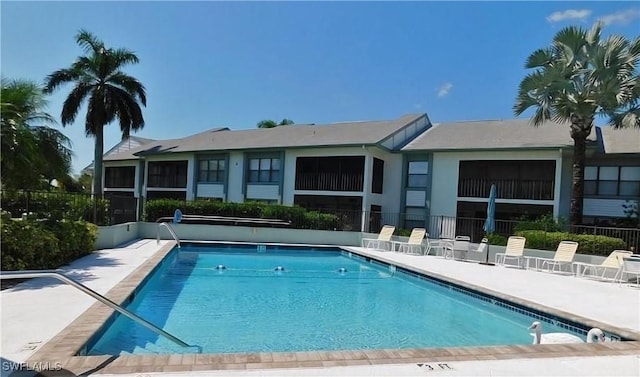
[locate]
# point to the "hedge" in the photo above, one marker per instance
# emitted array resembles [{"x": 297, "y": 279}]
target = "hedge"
[
  {"x": 298, "y": 217},
  {"x": 33, "y": 244},
  {"x": 587, "y": 243},
  {"x": 55, "y": 205}
]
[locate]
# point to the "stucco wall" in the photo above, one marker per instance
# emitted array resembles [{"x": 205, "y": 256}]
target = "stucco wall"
[{"x": 444, "y": 189}]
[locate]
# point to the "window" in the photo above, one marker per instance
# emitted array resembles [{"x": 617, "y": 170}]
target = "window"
[
  {"x": 120, "y": 177},
  {"x": 378, "y": 176},
  {"x": 211, "y": 170},
  {"x": 264, "y": 170},
  {"x": 417, "y": 174},
  {"x": 612, "y": 181},
  {"x": 414, "y": 217},
  {"x": 167, "y": 174}
]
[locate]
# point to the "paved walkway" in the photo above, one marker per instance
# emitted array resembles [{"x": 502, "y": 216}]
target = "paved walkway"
[{"x": 35, "y": 311}]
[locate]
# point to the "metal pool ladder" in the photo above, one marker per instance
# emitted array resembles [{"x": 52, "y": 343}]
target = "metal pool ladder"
[
  {"x": 27, "y": 274},
  {"x": 170, "y": 229}
]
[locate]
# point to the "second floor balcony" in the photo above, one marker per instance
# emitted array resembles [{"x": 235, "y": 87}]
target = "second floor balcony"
[
  {"x": 533, "y": 189},
  {"x": 329, "y": 181}
]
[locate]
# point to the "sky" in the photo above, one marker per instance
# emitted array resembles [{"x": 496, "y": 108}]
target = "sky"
[{"x": 231, "y": 64}]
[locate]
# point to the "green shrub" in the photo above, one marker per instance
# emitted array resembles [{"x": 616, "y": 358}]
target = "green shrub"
[
  {"x": 545, "y": 222},
  {"x": 75, "y": 238},
  {"x": 27, "y": 244},
  {"x": 34, "y": 244},
  {"x": 297, "y": 216},
  {"x": 587, "y": 243},
  {"x": 496, "y": 239},
  {"x": 403, "y": 232},
  {"x": 321, "y": 221}
]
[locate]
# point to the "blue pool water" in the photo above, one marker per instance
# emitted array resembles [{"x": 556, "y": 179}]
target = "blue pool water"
[{"x": 311, "y": 305}]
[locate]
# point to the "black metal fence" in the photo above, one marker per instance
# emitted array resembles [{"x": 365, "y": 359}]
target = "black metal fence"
[{"x": 65, "y": 205}]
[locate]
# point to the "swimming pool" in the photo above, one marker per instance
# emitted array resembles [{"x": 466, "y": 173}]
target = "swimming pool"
[{"x": 234, "y": 298}]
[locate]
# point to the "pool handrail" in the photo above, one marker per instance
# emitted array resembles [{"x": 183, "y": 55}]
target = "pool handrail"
[
  {"x": 27, "y": 274},
  {"x": 170, "y": 229}
]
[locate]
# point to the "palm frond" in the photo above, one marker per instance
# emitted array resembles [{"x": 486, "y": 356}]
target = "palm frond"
[
  {"x": 539, "y": 58},
  {"x": 60, "y": 77},
  {"x": 74, "y": 101},
  {"x": 89, "y": 42},
  {"x": 130, "y": 84}
]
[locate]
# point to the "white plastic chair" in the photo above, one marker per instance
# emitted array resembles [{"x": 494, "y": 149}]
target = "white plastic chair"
[
  {"x": 612, "y": 262},
  {"x": 415, "y": 242},
  {"x": 460, "y": 244},
  {"x": 514, "y": 250},
  {"x": 384, "y": 238},
  {"x": 564, "y": 257},
  {"x": 630, "y": 266}
]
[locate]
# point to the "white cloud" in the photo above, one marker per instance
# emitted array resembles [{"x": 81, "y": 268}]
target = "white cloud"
[
  {"x": 444, "y": 89},
  {"x": 622, "y": 17},
  {"x": 569, "y": 14}
]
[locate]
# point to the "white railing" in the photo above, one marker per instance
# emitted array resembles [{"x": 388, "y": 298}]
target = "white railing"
[{"x": 170, "y": 229}]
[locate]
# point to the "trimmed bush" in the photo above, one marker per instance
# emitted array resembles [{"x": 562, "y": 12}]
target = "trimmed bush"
[
  {"x": 298, "y": 216},
  {"x": 587, "y": 243},
  {"x": 55, "y": 206},
  {"x": 35, "y": 244},
  {"x": 497, "y": 239}
]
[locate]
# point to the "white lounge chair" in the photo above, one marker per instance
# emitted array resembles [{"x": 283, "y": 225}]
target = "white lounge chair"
[
  {"x": 514, "y": 250},
  {"x": 415, "y": 244},
  {"x": 383, "y": 242},
  {"x": 612, "y": 262},
  {"x": 630, "y": 266},
  {"x": 564, "y": 257}
]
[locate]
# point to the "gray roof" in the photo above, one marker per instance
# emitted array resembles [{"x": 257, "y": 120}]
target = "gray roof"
[
  {"x": 623, "y": 140},
  {"x": 121, "y": 148},
  {"x": 334, "y": 134},
  {"x": 494, "y": 134}
]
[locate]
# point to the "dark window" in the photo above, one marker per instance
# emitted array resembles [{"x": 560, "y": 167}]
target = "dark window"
[
  {"x": 264, "y": 170},
  {"x": 180, "y": 195},
  {"x": 335, "y": 173},
  {"x": 120, "y": 177},
  {"x": 211, "y": 170},
  {"x": 378, "y": 176},
  {"x": 417, "y": 174},
  {"x": 517, "y": 179},
  {"x": 612, "y": 181},
  {"x": 167, "y": 174}
]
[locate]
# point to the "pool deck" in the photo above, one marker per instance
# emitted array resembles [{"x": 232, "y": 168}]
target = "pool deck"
[{"x": 43, "y": 320}]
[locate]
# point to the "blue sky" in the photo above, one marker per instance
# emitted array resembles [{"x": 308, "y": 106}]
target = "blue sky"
[{"x": 211, "y": 64}]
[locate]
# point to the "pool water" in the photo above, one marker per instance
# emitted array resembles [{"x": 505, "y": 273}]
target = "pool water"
[{"x": 321, "y": 300}]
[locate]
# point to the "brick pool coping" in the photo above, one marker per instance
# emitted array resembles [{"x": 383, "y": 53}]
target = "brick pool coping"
[{"x": 64, "y": 347}]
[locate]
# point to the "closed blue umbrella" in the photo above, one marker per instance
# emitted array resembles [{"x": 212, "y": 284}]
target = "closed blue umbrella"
[{"x": 490, "y": 222}]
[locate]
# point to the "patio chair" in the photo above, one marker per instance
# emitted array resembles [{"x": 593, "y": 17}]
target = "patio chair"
[
  {"x": 384, "y": 238},
  {"x": 612, "y": 262},
  {"x": 415, "y": 243},
  {"x": 459, "y": 247},
  {"x": 514, "y": 250},
  {"x": 630, "y": 266},
  {"x": 564, "y": 257}
]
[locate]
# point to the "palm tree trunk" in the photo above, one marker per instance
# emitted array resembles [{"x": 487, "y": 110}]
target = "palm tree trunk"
[
  {"x": 97, "y": 170},
  {"x": 580, "y": 130}
]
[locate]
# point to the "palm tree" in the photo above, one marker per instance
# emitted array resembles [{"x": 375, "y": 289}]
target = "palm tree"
[
  {"x": 111, "y": 94},
  {"x": 581, "y": 75},
  {"x": 31, "y": 150},
  {"x": 268, "y": 123}
]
